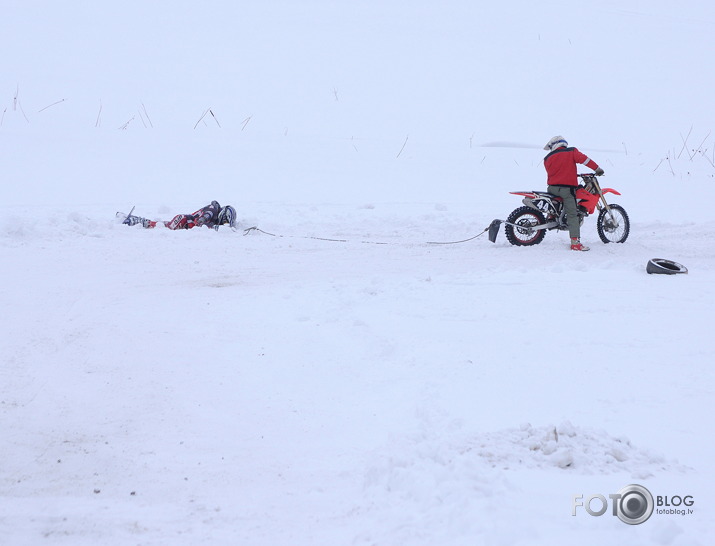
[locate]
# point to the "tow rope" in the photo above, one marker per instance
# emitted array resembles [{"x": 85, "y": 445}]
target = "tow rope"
[{"x": 256, "y": 229}]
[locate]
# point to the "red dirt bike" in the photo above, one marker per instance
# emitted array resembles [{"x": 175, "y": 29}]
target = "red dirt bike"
[{"x": 527, "y": 225}]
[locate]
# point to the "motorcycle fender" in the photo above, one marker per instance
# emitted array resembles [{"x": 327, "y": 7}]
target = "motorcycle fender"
[
  {"x": 610, "y": 190},
  {"x": 529, "y": 194}
]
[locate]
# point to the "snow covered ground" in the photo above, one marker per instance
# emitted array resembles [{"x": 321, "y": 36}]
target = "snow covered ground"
[
  {"x": 164, "y": 387},
  {"x": 345, "y": 380}
]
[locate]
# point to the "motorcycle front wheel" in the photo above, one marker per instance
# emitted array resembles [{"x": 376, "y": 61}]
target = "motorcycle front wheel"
[
  {"x": 613, "y": 226},
  {"x": 523, "y": 232}
]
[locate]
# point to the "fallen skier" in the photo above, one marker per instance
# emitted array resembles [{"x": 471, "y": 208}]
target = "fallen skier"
[{"x": 211, "y": 216}]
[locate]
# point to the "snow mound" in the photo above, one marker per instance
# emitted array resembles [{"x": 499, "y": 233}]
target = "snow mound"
[
  {"x": 429, "y": 463},
  {"x": 567, "y": 447},
  {"x": 446, "y": 476}
]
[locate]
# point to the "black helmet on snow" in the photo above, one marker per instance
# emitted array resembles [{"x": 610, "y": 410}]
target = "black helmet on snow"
[{"x": 227, "y": 215}]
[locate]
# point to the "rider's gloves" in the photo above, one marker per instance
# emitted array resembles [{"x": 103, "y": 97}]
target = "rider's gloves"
[{"x": 598, "y": 172}]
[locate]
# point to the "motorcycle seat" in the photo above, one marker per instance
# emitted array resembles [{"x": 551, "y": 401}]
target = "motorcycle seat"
[{"x": 547, "y": 194}]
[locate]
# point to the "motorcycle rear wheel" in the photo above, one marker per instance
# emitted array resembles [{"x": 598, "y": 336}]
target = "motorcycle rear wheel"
[
  {"x": 524, "y": 235},
  {"x": 615, "y": 226}
]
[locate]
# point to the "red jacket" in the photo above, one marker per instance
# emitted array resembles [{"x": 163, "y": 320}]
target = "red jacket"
[{"x": 561, "y": 166}]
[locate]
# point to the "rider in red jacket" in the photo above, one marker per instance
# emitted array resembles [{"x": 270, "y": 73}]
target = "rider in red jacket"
[{"x": 562, "y": 181}]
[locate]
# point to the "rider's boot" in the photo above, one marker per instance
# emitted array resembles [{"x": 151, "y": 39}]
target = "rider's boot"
[
  {"x": 576, "y": 244},
  {"x": 132, "y": 220}
]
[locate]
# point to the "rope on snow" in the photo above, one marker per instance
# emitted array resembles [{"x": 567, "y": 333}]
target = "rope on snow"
[{"x": 259, "y": 230}]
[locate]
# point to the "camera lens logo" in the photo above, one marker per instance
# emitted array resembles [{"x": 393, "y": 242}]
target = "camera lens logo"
[{"x": 634, "y": 504}]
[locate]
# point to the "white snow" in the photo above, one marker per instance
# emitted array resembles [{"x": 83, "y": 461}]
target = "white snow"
[{"x": 345, "y": 380}]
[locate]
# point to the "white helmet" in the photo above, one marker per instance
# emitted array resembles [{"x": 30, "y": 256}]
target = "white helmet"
[
  {"x": 556, "y": 142},
  {"x": 227, "y": 215}
]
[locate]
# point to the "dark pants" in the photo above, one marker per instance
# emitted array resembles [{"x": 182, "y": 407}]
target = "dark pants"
[{"x": 568, "y": 194}]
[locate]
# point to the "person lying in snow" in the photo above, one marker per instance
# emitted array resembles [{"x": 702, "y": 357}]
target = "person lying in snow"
[{"x": 211, "y": 216}]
